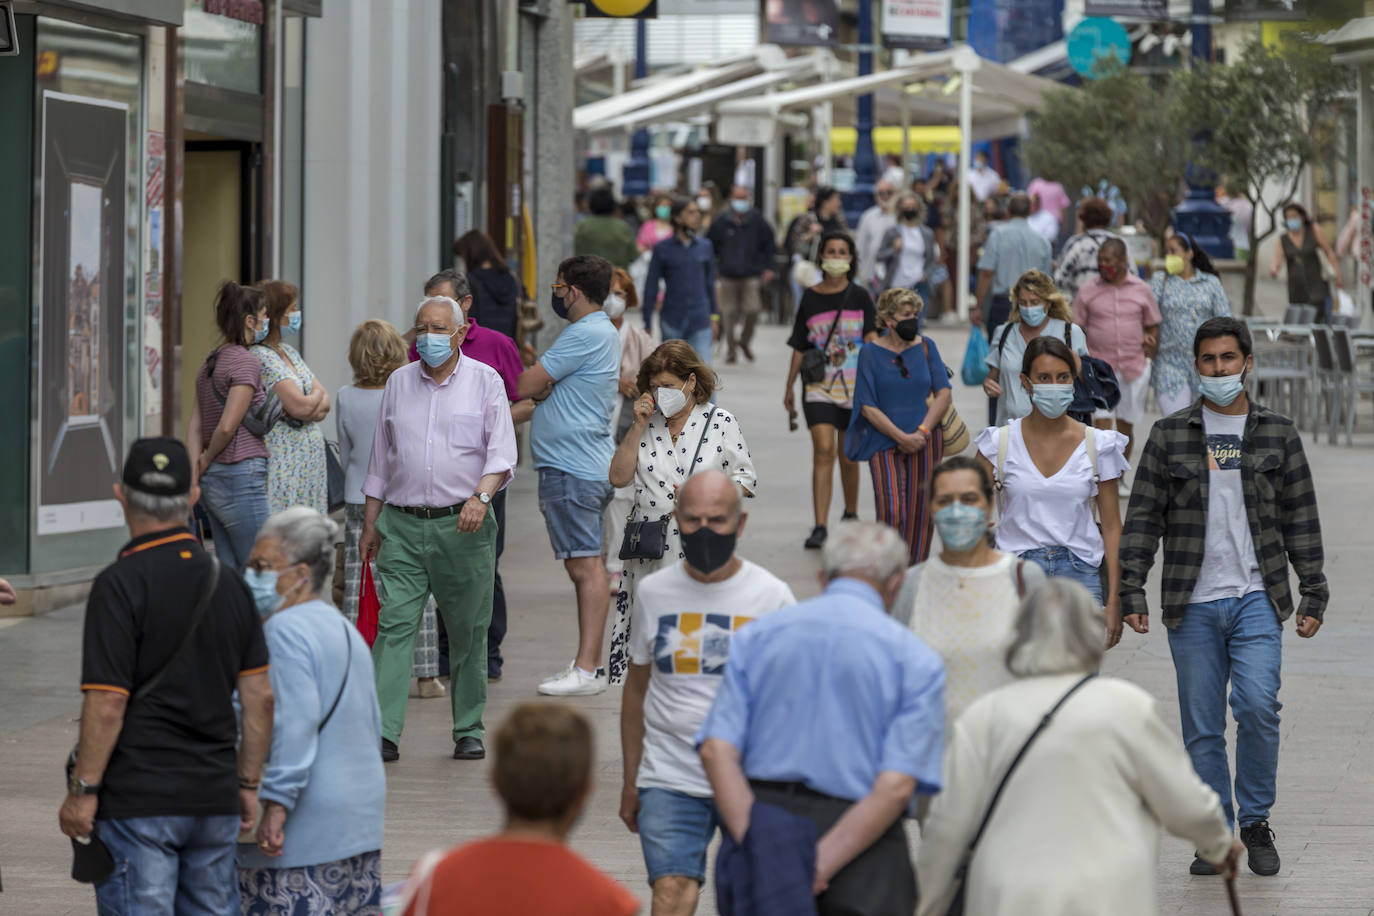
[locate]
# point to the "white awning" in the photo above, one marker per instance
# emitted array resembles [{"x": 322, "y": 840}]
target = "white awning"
[{"x": 656, "y": 91}]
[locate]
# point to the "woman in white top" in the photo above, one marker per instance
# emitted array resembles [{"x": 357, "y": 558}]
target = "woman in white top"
[
  {"x": 675, "y": 422},
  {"x": 962, "y": 601},
  {"x": 1077, "y": 829},
  {"x": 635, "y": 345},
  {"x": 1050, "y": 471},
  {"x": 1038, "y": 309}
]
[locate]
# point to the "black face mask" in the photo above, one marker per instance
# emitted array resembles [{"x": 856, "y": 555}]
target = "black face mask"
[
  {"x": 908, "y": 214},
  {"x": 707, "y": 551},
  {"x": 908, "y": 328},
  {"x": 559, "y": 305}
]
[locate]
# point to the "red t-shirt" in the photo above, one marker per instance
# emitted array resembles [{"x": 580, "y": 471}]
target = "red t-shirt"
[{"x": 502, "y": 876}]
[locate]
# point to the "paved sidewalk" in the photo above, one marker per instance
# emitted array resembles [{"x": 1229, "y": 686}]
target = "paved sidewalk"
[{"x": 1325, "y": 813}]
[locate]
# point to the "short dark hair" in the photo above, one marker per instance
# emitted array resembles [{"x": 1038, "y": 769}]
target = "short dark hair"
[
  {"x": 454, "y": 278},
  {"x": 1020, "y": 205},
  {"x": 589, "y": 273},
  {"x": 601, "y": 202},
  {"x": 963, "y": 463},
  {"x": 233, "y": 303},
  {"x": 1223, "y": 326},
  {"x": 1113, "y": 245},
  {"x": 1095, "y": 213},
  {"x": 1299, "y": 209},
  {"x": 1046, "y": 346},
  {"x": 476, "y": 248},
  {"x": 848, "y": 239},
  {"x": 677, "y": 206},
  {"x": 543, "y": 760}
]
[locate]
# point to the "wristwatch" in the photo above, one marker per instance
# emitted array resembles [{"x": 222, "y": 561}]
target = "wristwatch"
[
  {"x": 78, "y": 786},
  {"x": 484, "y": 497}
]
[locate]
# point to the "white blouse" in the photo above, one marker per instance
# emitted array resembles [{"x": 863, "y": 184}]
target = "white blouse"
[
  {"x": 1038, "y": 511},
  {"x": 662, "y": 467}
]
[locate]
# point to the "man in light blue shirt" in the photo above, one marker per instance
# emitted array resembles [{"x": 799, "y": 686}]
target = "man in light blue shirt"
[
  {"x": 835, "y": 712},
  {"x": 575, "y": 383}
]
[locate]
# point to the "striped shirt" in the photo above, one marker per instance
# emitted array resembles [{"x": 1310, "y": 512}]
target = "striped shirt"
[{"x": 1169, "y": 500}]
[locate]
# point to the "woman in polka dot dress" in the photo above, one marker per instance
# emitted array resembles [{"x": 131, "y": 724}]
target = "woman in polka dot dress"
[{"x": 674, "y": 422}]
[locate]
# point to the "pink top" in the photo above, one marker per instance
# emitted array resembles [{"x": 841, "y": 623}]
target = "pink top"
[
  {"x": 650, "y": 235},
  {"x": 1052, "y": 196},
  {"x": 494, "y": 349},
  {"x": 435, "y": 442},
  {"x": 234, "y": 365},
  {"x": 1114, "y": 319}
]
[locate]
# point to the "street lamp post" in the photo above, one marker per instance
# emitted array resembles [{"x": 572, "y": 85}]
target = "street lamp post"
[
  {"x": 860, "y": 198},
  {"x": 635, "y": 180},
  {"x": 1205, "y": 221}
]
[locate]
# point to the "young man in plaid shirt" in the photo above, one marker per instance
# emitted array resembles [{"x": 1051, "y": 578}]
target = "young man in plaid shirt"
[{"x": 1225, "y": 483}]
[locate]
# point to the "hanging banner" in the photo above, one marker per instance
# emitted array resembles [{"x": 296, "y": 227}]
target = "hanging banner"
[
  {"x": 1127, "y": 9},
  {"x": 916, "y": 24},
  {"x": 800, "y": 22},
  {"x": 1258, "y": 10}
]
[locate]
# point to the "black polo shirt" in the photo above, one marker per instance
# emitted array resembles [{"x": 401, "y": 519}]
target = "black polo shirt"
[{"x": 176, "y": 753}]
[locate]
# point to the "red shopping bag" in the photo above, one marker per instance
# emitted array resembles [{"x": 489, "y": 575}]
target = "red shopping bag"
[{"x": 368, "y": 605}]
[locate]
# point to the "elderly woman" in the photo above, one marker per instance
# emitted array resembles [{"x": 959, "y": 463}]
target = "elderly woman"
[
  {"x": 296, "y": 470},
  {"x": 676, "y": 432},
  {"x": 319, "y": 839},
  {"x": 1077, "y": 830}
]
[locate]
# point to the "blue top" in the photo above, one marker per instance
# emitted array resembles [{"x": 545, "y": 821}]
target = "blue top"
[
  {"x": 689, "y": 276},
  {"x": 1012, "y": 249},
  {"x": 831, "y": 692},
  {"x": 880, "y": 384},
  {"x": 571, "y": 429},
  {"x": 329, "y": 781},
  {"x": 1183, "y": 306}
]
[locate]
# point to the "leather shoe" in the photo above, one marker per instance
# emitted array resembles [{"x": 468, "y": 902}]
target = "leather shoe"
[
  {"x": 469, "y": 748},
  {"x": 389, "y": 751}
]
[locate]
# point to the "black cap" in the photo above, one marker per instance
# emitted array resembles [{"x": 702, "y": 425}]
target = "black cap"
[{"x": 164, "y": 457}]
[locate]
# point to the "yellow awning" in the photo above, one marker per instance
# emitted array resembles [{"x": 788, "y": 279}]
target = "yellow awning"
[{"x": 937, "y": 139}]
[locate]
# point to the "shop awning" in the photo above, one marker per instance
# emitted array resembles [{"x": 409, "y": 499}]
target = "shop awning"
[
  {"x": 661, "y": 90},
  {"x": 888, "y": 140}
]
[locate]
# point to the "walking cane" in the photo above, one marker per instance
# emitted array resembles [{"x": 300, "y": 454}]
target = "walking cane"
[{"x": 1231, "y": 893}]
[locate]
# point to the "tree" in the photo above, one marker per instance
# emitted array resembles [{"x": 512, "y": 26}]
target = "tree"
[
  {"x": 1264, "y": 114},
  {"x": 1118, "y": 126}
]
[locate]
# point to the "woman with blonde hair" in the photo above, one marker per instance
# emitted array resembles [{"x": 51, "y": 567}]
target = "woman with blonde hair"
[
  {"x": 1037, "y": 307},
  {"x": 676, "y": 432}
]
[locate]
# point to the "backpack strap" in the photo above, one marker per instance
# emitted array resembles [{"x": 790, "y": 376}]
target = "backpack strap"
[
  {"x": 1019, "y": 577},
  {"x": 1003, "y": 444},
  {"x": 1090, "y": 442},
  {"x": 1002, "y": 341}
]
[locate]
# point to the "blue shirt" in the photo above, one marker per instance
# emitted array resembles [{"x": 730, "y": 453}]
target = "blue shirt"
[
  {"x": 571, "y": 429},
  {"x": 689, "y": 292},
  {"x": 880, "y": 384},
  {"x": 1011, "y": 250},
  {"x": 830, "y": 693},
  {"x": 334, "y": 794}
]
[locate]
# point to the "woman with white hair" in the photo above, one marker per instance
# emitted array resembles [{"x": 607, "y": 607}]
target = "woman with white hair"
[
  {"x": 319, "y": 839},
  {"x": 1091, "y": 773}
]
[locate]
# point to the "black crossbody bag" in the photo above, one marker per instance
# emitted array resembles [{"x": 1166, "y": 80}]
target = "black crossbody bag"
[
  {"x": 815, "y": 360},
  {"x": 647, "y": 538}
]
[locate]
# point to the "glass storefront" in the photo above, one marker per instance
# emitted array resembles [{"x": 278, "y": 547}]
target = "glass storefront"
[{"x": 220, "y": 50}]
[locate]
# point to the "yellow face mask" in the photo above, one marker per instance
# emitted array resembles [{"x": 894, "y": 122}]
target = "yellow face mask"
[{"x": 1173, "y": 263}]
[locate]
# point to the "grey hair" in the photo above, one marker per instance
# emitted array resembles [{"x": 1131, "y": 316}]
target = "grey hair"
[
  {"x": 458, "y": 319},
  {"x": 456, "y": 279},
  {"x": 306, "y": 537},
  {"x": 865, "y": 550},
  {"x": 156, "y": 508},
  {"x": 1059, "y": 629}
]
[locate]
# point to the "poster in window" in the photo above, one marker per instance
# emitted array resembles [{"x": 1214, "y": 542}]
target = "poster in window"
[
  {"x": 82, "y": 293},
  {"x": 800, "y": 22}
]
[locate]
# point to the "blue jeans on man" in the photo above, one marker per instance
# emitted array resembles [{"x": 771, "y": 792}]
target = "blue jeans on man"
[
  {"x": 700, "y": 340},
  {"x": 170, "y": 865},
  {"x": 1239, "y": 639}
]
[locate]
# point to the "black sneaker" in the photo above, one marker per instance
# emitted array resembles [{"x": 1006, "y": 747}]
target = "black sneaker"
[
  {"x": 389, "y": 751},
  {"x": 1259, "y": 846},
  {"x": 850, "y": 517},
  {"x": 817, "y": 538},
  {"x": 1201, "y": 866}
]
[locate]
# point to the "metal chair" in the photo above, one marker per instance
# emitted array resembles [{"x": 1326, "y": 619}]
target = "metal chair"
[
  {"x": 1283, "y": 368},
  {"x": 1328, "y": 381},
  {"x": 1355, "y": 380}
]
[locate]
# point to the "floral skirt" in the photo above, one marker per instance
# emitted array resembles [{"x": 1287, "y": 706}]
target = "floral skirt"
[
  {"x": 426, "y": 661},
  {"x": 347, "y": 887}
]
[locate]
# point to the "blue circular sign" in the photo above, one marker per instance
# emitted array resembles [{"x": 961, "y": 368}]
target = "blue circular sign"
[{"x": 1094, "y": 38}]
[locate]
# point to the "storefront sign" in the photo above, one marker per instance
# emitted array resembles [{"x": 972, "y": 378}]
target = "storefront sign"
[
  {"x": 916, "y": 24},
  {"x": 800, "y": 22}
]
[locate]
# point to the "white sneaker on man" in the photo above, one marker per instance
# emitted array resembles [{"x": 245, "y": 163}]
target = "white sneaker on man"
[{"x": 572, "y": 682}]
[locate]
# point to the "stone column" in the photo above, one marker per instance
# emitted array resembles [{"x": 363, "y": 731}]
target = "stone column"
[{"x": 547, "y": 61}]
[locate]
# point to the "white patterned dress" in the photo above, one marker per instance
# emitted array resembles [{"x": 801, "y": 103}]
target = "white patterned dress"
[
  {"x": 296, "y": 470},
  {"x": 661, "y": 470}
]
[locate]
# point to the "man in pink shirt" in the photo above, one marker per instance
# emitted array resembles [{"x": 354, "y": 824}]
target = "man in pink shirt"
[
  {"x": 444, "y": 447},
  {"x": 1120, "y": 319}
]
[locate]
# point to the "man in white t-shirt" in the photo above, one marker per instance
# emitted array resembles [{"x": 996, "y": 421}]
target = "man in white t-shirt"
[{"x": 685, "y": 618}]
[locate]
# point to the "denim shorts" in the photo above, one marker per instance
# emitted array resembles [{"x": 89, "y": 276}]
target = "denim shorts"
[
  {"x": 674, "y": 831},
  {"x": 1062, "y": 562},
  {"x": 574, "y": 512}
]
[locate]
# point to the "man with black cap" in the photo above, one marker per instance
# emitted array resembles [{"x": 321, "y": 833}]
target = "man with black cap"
[{"x": 169, "y": 636}]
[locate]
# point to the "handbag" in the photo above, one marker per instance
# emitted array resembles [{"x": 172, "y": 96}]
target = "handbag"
[
  {"x": 953, "y": 430},
  {"x": 647, "y": 538},
  {"x": 91, "y": 858},
  {"x": 956, "y": 906},
  {"x": 814, "y": 360},
  {"x": 334, "y": 475},
  {"x": 369, "y": 608},
  {"x": 257, "y": 420}
]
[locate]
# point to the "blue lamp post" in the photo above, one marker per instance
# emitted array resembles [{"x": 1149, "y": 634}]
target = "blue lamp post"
[
  {"x": 1205, "y": 221},
  {"x": 865, "y": 159},
  {"x": 636, "y": 175}
]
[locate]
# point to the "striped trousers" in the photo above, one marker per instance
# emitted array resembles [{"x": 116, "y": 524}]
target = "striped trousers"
[{"x": 901, "y": 493}]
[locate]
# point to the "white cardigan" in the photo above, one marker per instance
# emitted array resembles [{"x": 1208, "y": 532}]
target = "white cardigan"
[{"x": 1077, "y": 828}]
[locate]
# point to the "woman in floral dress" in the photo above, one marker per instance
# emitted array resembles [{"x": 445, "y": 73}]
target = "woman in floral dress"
[{"x": 1188, "y": 293}]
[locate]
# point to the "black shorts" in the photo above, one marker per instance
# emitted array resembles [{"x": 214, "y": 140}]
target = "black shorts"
[{"x": 819, "y": 412}]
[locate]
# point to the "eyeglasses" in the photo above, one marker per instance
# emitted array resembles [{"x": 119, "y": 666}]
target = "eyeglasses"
[
  {"x": 559, "y": 288},
  {"x": 906, "y": 373},
  {"x": 886, "y": 193}
]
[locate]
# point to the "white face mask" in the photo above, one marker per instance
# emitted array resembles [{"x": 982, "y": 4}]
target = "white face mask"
[
  {"x": 614, "y": 306},
  {"x": 671, "y": 400}
]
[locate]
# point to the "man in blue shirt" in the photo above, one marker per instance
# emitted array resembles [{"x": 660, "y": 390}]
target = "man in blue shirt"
[
  {"x": 575, "y": 384},
  {"x": 687, "y": 266},
  {"x": 835, "y": 712}
]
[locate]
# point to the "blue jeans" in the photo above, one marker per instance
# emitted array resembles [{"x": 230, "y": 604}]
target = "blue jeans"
[
  {"x": 170, "y": 865},
  {"x": 674, "y": 832},
  {"x": 1061, "y": 562},
  {"x": 700, "y": 340},
  {"x": 1239, "y": 639},
  {"x": 235, "y": 498}
]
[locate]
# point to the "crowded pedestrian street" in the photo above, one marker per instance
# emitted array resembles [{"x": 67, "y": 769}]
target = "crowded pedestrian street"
[{"x": 1325, "y": 811}]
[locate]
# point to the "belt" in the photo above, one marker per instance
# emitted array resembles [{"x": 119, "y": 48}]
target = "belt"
[
  {"x": 792, "y": 788},
  {"x": 427, "y": 512}
]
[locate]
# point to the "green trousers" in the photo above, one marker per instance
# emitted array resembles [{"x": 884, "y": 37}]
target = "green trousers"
[{"x": 420, "y": 557}]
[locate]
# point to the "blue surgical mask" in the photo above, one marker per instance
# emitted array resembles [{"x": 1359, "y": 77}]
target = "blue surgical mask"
[
  {"x": 293, "y": 322},
  {"x": 739, "y": 206},
  {"x": 1223, "y": 390},
  {"x": 1033, "y": 315},
  {"x": 1052, "y": 400},
  {"x": 1293, "y": 223},
  {"x": 961, "y": 526},
  {"x": 263, "y": 584},
  {"x": 434, "y": 349},
  {"x": 261, "y": 333}
]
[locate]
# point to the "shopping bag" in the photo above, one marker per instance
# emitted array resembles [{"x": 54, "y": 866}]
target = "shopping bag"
[
  {"x": 368, "y": 606},
  {"x": 975, "y": 367}
]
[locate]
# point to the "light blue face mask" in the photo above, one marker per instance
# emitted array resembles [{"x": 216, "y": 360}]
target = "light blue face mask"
[
  {"x": 261, "y": 333},
  {"x": 1033, "y": 315},
  {"x": 1223, "y": 390},
  {"x": 434, "y": 349},
  {"x": 739, "y": 206},
  {"x": 263, "y": 584},
  {"x": 961, "y": 525},
  {"x": 1052, "y": 400},
  {"x": 293, "y": 322},
  {"x": 1293, "y": 224}
]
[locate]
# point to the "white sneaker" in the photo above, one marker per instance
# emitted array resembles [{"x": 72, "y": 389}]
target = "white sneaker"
[{"x": 573, "y": 683}]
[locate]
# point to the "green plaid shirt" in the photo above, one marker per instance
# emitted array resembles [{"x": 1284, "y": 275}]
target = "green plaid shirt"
[{"x": 1169, "y": 500}]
